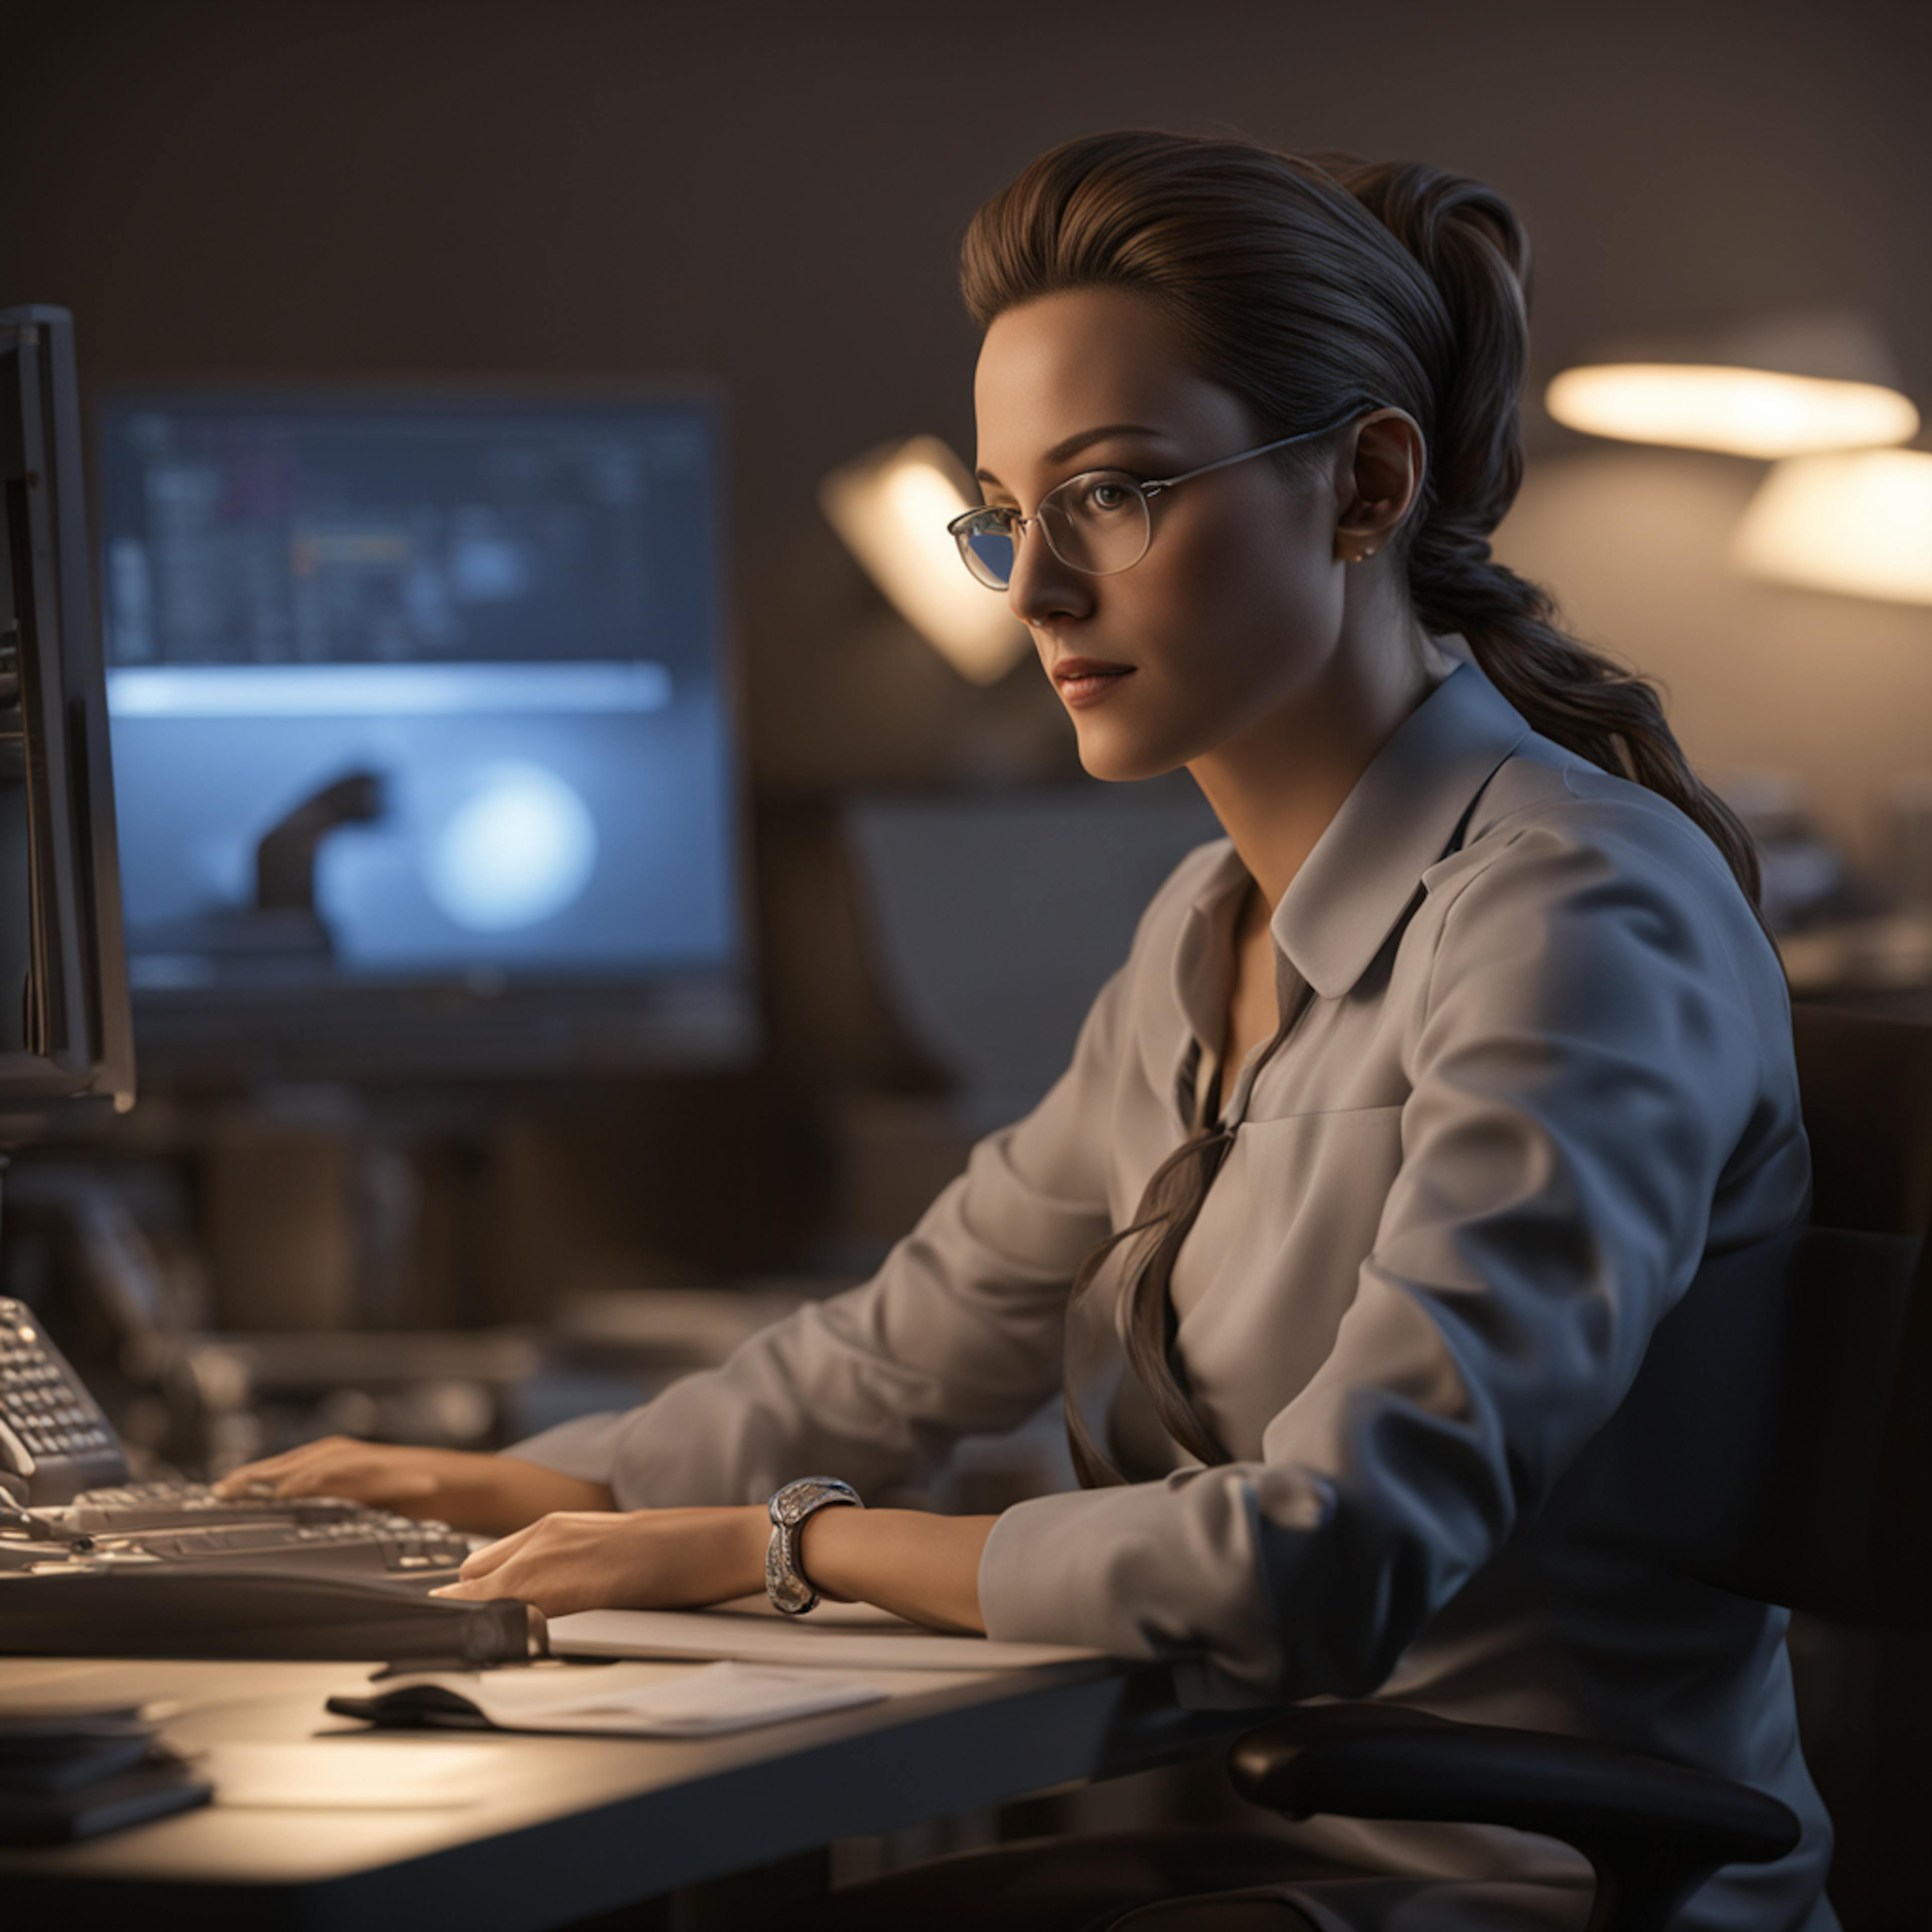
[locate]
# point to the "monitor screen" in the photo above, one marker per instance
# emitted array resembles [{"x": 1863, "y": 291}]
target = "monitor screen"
[{"x": 417, "y": 694}]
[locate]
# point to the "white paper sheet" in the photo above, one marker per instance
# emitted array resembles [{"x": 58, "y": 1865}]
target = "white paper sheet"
[
  {"x": 840, "y": 1635},
  {"x": 700, "y": 1703}
]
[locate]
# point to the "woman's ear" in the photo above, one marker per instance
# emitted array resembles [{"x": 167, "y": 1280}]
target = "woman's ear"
[{"x": 1381, "y": 476}]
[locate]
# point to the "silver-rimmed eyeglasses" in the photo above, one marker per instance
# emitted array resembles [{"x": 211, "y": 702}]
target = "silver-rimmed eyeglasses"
[{"x": 1097, "y": 523}]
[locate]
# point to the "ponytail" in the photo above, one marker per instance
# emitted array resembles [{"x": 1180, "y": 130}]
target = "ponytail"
[{"x": 1477, "y": 254}]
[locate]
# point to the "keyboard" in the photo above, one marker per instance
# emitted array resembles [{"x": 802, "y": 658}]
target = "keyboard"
[
  {"x": 133, "y": 1506},
  {"x": 144, "y": 1523}
]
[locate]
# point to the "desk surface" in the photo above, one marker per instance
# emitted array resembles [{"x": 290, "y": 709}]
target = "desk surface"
[{"x": 538, "y": 1831}]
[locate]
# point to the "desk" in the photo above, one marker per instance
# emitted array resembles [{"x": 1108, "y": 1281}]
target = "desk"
[{"x": 560, "y": 1828}]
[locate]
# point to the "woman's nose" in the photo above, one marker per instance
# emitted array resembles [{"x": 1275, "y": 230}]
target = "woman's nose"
[{"x": 1042, "y": 587}]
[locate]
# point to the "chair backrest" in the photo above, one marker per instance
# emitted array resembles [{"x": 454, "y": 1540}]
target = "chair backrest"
[
  {"x": 1776, "y": 1441},
  {"x": 1867, "y": 1089}
]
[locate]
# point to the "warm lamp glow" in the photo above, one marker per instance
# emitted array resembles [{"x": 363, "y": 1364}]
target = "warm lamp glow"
[
  {"x": 892, "y": 507},
  {"x": 1743, "y": 412},
  {"x": 1860, "y": 522}
]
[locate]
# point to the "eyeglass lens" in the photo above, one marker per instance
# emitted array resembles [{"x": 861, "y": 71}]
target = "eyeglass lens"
[
  {"x": 989, "y": 553},
  {"x": 1096, "y": 523}
]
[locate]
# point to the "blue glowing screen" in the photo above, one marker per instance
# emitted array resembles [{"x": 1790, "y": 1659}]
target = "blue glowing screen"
[{"x": 408, "y": 690}]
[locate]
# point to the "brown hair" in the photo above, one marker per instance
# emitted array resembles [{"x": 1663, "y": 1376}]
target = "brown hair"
[{"x": 1309, "y": 286}]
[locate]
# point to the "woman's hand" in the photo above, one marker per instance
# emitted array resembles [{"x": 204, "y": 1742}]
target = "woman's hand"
[
  {"x": 481, "y": 1492},
  {"x": 921, "y": 1567},
  {"x": 645, "y": 1559}
]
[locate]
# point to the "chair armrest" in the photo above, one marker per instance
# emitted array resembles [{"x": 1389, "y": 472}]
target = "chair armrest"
[{"x": 1653, "y": 1831}]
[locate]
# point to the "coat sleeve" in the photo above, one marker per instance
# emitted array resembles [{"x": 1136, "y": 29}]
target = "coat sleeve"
[
  {"x": 1587, "y": 1058},
  {"x": 961, "y": 1331}
]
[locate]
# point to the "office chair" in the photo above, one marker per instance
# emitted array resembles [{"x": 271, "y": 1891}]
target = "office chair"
[{"x": 1810, "y": 1494}]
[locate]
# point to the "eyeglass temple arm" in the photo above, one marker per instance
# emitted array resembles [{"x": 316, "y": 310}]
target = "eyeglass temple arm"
[{"x": 1154, "y": 485}]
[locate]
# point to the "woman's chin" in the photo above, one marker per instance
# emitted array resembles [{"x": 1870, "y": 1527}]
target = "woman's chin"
[{"x": 1122, "y": 758}]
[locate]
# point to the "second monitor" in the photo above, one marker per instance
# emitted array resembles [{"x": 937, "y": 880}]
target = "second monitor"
[{"x": 422, "y": 731}]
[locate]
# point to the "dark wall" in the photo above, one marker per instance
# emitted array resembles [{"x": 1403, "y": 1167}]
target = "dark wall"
[{"x": 773, "y": 196}]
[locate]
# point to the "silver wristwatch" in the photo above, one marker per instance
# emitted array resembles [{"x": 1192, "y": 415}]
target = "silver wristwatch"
[{"x": 785, "y": 1581}]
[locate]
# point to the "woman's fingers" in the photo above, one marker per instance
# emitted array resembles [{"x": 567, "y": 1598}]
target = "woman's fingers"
[
  {"x": 268, "y": 1469},
  {"x": 481, "y": 1589},
  {"x": 561, "y": 1563},
  {"x": 362, "y": 1478},
  {"x": 560, "y": 1535},
  {"x": 338, "y": 1465},
  {"x": 493, "y": 1555},
  {"x": 553, "y": 1586},
  {"x": 579, "y": 1561}
]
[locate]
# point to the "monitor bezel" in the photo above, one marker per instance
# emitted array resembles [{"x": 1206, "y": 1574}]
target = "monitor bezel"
[{"x": 85, "y": 1031}]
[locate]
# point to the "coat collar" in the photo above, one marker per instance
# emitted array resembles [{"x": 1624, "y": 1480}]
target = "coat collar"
[
  {"x": 1399, "y": 819},
  {"x": 1363, "y": 875}
]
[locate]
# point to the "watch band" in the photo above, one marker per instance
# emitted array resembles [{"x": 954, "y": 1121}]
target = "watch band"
[{"x": 786, "y": 1582}]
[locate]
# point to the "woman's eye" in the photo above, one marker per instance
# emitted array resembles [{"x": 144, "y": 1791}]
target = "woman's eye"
[{"x": 1103, "y": 495}]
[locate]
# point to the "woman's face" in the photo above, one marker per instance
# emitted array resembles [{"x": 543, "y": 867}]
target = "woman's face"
[{"x": 1238, "y": 604}]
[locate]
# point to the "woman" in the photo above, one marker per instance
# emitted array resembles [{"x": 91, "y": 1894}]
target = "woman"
[{"x": 1415, "y": 1107}]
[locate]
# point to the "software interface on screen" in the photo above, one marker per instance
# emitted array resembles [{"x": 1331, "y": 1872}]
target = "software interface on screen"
[{"x": 447, "y": 672}]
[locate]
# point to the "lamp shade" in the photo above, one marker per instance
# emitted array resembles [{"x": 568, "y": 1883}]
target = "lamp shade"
[
  {"x": 891, "y": 506},
  {"x": 1771, "y": 385},
  {"x": 1858, "y": 521},
  {"x": 1761, "y": 413}
]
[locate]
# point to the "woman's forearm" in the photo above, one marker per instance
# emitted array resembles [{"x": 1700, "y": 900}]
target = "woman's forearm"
[
  {"x": 494, "y": 1493},
  {"x": 497, "y": 1494},
  {"x": 919, "y": 1566}
]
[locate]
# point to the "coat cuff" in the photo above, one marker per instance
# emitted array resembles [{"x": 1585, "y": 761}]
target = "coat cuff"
[{"x": 1144, "y": 1572}]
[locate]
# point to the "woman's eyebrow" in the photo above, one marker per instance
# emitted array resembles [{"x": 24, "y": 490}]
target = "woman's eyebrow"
[{"x": 1073, "y": 445}]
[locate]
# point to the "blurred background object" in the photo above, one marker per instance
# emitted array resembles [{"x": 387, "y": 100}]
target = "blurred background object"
[
  {"x": 892, "y": 507},
  {"x": 1775, "y": 387},
  {"x": 1742, "y": 411},
  {"x": 1859, "y": 522}
]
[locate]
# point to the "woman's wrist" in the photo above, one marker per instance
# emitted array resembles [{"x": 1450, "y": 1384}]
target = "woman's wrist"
[{"x": 750, "y": 1560}]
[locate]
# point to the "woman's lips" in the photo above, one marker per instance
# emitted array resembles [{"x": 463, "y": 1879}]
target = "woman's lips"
[{"x": 1085, "y": 681}]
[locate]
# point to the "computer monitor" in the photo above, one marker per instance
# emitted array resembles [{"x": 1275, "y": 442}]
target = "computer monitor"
[
  {"x": 422, "y": 723},
  {"x": 65, "y": 1033}
]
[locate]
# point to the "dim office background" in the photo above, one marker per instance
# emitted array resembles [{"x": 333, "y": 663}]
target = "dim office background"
[{"x": 770, "y": 203}]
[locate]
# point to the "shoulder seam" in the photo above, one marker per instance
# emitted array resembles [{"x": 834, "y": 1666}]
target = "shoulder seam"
[{"x": 1708, "y": 856}]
